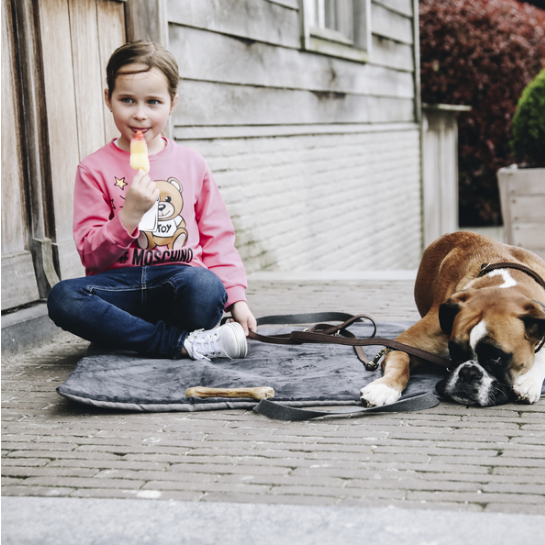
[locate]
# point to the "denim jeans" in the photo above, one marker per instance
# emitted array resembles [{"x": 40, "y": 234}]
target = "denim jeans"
[{"x": 146, "y": 309}]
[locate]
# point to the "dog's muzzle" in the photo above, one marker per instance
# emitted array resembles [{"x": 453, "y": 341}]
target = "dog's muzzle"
[{"x": 472, "y": 385}]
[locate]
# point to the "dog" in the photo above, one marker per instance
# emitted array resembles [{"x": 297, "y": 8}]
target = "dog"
[{"x": 492, "y": 327}]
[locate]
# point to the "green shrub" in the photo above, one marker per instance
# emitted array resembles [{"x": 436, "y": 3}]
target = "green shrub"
[{"x": 528, "y": 142}]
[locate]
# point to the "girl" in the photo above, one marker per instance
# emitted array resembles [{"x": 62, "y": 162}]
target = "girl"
[{"x": 158, "y": 290}]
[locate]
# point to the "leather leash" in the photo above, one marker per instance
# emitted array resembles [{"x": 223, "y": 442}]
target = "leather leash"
[
  {"x": 326, "y": 333},
  {"x": 338, "y": 334}
]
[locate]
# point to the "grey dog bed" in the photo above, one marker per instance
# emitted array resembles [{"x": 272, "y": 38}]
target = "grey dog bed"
[{"x": 301, "y": 375}]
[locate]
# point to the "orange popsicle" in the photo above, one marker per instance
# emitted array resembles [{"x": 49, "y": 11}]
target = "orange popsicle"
[{"x": 139, "y": 152}]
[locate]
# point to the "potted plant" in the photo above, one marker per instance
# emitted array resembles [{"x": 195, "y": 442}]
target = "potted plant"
[{"x": 522, "y": 185}]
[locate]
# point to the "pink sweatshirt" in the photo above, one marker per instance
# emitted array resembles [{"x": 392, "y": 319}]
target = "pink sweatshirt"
[{"x": 194, "y": 227}]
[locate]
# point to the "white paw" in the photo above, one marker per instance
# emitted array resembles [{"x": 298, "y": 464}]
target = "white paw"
[
  {"x": 527, "y": 388},
  {"x": 377, "y": 394}
]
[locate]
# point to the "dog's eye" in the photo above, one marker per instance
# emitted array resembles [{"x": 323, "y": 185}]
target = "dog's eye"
[{"x": 495, "y": 361}]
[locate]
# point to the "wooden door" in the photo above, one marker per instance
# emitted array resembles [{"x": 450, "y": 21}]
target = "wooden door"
[
  {"x": 77, "y": 38},
  {"x": 19, "y": 285},
  {"x": 54, "y": 56}
]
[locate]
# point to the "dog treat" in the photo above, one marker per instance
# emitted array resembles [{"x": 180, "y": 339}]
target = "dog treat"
[
  {"x": 139, "y": 153},
  {"x": 259, "y": 392}
]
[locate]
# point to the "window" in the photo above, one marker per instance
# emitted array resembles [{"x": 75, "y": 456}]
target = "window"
[
  {"x": 337, "y": 27},
  {"x": 333, "y": 15}
]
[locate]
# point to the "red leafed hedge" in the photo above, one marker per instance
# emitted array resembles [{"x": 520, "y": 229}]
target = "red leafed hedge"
[{"x": 481, "y": 53}]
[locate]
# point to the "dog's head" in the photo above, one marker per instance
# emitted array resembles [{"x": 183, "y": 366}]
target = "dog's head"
[{"x": 493, "y": 336}]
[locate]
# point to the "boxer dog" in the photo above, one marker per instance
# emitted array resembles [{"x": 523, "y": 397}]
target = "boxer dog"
[{"x": 492, "y": 326}]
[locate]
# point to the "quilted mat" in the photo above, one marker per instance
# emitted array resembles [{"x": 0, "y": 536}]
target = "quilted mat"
[{"x": 303, "y": 375}]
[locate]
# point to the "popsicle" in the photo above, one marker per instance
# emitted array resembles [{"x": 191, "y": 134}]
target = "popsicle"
[{"x": 139, "y": 152}]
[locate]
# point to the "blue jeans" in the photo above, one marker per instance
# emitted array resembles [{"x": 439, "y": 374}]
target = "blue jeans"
[{"x": 149, "y": 310}]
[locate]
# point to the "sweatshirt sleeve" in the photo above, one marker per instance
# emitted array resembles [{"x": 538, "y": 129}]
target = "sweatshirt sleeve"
[
  {"x": 100, "y": 236},
  {"x": 217, "y": 239}
]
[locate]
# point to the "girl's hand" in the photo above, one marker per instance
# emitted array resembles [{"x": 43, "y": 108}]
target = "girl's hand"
[
  {"x": 242, "y": 314},
  {"x": 141, "y": 196}
]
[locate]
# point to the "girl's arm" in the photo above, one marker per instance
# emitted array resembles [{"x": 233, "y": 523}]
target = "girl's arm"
[
  {"x": 100, "y": 236},
  {"x": 242, "y": 314}
]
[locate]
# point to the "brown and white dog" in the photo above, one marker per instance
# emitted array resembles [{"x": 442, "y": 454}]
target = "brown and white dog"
[{"x": 490, "y": 327}]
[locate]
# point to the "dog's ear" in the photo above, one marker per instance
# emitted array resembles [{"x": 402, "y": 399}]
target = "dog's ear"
[
  {"x": 450, "y": 308},
  {"x": 534, "y": 320},
  {"x": 447, "y": 312}
]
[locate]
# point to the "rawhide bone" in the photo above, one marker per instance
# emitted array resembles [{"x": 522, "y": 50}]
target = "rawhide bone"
[{"x": 259, "y": 392}]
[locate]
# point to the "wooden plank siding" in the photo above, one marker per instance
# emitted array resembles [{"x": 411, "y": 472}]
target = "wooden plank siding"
[
  {"x": 257, "y": 20},
  {"x": 405, "y": 7},
  {"x": 390, "y": 24},
  {"x": 266, "y": 65},
  {"x": 237, "y": 55},
  {"x": 206, "y": 103}
]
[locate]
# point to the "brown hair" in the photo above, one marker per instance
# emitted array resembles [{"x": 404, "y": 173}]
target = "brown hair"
[{"x": 140, "y": 52}]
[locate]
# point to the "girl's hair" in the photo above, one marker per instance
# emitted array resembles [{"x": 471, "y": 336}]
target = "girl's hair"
[{"x": 140, "y": 52}]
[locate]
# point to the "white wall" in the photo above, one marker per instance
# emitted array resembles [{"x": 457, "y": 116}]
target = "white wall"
[{"x": 323, "y": 201}]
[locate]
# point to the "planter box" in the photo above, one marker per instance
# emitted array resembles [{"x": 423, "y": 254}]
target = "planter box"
[{"x": 522, "y": 193}]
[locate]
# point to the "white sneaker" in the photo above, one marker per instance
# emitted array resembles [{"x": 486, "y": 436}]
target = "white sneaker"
[{"x": 226, "y": 341}]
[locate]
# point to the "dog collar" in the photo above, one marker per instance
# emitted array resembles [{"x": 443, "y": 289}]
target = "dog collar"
[{"x": 489, "y": 267}]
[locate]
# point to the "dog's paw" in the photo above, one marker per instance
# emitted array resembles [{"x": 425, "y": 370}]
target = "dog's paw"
[
  {"x": 377, "y": 394},
  {"x": 527, "y": 388}
]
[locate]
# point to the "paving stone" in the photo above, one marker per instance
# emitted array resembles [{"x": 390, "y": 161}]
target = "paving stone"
[
  {"x": 36, "y": 462},
  {"x": 515, "y": 508},
  {"x": 291, "y": 499},
  {"x": 412, "y": 484},
  {"x": 35, "y": 491},
  {"x": 47, "y": 471},
  {"x": 80, "y": 482},
  {"x": 513, "y": 488},
  {"x": 406, "y": 504},
  {"x": 482, "y": 498},
  {"x": 339, "y": 492},
  {"x": 178, "y": 476},
  {"x": 524, "y": 471},
  {"x": 226, "y": 469},
  {"x": 288, "y": 480},
  {"x": 178, "y": 495},
  {"x": 109, "y": 464},
  {"x": 207, "y": 487}
]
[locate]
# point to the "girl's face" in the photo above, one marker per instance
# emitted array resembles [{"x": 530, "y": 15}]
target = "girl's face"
[{"x": 141, "y": 102}]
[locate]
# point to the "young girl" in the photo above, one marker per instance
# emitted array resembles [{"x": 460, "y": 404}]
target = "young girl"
[{"x": 158, "y": 290}]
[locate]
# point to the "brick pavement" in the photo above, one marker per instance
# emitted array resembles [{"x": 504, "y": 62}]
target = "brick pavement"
[{"x": 448, "y": 457}]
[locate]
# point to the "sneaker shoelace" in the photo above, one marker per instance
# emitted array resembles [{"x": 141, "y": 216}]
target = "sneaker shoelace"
[{"x": 203, "y": 346}]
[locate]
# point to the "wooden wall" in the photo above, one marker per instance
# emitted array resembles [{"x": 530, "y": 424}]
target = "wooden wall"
[
  {"x": 348, "y": 132},
  {"x": 241, "y": 63}
]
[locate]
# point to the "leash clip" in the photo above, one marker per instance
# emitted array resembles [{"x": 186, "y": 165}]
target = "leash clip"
[{"x": 373, "y": 366}]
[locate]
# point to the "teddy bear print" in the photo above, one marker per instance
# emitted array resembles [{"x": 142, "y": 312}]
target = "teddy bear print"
[{"x": 171, "y": 231}]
